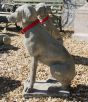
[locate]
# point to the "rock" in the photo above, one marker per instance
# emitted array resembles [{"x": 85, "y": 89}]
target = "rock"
[{"x": 5, "y": 39}]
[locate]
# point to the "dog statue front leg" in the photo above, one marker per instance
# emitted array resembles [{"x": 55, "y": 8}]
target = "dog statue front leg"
[
  {"x": 31, "y": 78},
  {"x": 33, "y": 72}
]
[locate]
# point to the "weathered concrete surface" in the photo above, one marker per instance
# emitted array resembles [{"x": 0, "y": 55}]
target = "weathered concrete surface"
[
  {"x": 81, "y": 24},
  {"x": 68, "y": 15},
  {"x": 46, "y": 89}
]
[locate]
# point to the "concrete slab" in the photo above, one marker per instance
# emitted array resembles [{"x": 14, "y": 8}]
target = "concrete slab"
[
  {"x": 80, "y": 37},
  {"x": 46, "y": 89},
  {"x": 81, "y": 24}
]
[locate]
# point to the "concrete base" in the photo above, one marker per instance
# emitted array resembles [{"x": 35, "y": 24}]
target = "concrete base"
[
  {"x": 46, "y": 89},
  {"x": 81, "y": 37}
]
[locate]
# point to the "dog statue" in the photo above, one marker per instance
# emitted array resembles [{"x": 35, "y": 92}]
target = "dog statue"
[{"x": 43, "y": 47}]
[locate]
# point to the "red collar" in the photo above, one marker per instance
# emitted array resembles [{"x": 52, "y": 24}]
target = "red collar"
[
  {"x": 29, "y": 26},
  {"x": 44, "y": 20}
]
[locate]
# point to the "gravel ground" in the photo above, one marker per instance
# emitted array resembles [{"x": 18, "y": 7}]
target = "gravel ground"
[{"x": 15, "y": 65}]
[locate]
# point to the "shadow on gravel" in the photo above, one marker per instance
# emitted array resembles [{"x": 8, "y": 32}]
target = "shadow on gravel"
[
  {"x": 79, "y": 94},
  {"x": 13, "y": 29},
  {"x": 6, "y": 48},
  {"x": 11, "y": 35},
  {"x": 7, "y": 85},
  {"x": 66, "y": 34},
  {"x": 80, "y": 60}
]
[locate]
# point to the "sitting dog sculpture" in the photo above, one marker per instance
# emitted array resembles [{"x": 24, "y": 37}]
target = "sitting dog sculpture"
[
  {"x": 43, "y": 47},
  {"x": 43, "y": 13}
]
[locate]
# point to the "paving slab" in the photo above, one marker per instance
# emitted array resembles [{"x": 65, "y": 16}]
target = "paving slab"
[{"x": 45, "y": 89}]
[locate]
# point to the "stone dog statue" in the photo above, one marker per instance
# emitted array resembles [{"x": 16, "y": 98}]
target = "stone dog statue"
[
  {"x": 4, "y": 39},
  {"x": 44, "y": 12},
  {"x": 43, "y": 47}
]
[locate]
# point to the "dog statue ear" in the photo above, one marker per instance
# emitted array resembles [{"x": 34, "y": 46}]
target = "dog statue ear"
[
  {"x": 48, "y": 9},
  {"x": 29, "y": 14}
]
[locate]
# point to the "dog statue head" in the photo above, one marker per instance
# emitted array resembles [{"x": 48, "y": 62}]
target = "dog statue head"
[
  {"x": 25, "y": 13},
  {"x": 42, "y": 10}
]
